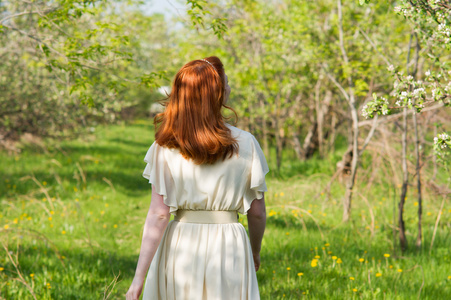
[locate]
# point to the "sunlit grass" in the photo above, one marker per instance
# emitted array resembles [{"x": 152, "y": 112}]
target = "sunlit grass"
[{"x": 71, "y": 223}]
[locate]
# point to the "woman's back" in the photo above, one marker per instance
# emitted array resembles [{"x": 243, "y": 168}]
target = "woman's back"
[
  {"x": 203, "y": 171},
  {"x": 231, "y": 184}
]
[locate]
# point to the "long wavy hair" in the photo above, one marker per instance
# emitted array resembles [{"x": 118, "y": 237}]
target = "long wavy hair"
[{"x": 192, "y": 121}]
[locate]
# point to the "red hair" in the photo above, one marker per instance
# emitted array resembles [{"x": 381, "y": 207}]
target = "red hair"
[{"x": 192, "y": 121}]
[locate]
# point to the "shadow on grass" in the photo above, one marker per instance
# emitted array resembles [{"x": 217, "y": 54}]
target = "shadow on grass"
[{"x": 84, "y": 275}]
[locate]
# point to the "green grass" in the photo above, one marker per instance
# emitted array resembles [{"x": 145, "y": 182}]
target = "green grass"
[{"x": 73, "y": 218}]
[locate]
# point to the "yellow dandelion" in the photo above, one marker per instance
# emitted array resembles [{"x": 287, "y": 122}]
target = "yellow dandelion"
[
  {"x": 44, "y": 183},
  {"x": 115, "y": 225},
  {"x": 300, "y": 274},
  {"x": 449, "y": 277},
  {"x": 334, "y": 257},
  {"x": 76, "y": 200},
  {"x": 63, "y": 232},
  {"x": 317, "y": 256},
  {"x": 44, "y": 199},
  {"x": 274, "y": 271},
  {"x": 51, "y": 225},
  {"x": 282, "y": 194},
  {"x": 429, "y": 214},
  {"x": 50, "y": 218},
  {"x": 16, "y": 221},
  {"x": 391, "y": 267},
  {"x": 106, "y": 204},
  {"x": 352, "y": 278},
  {"x": 31, "y": 275},
  {"x": 378, "y": 274},
  {"x": 329, "y": 252},
  {"x": 361, "y": 259},
  {"x": 6, "y": 226},
  {"x": 314, "y": 263},
  {"x": 104, "y": 225},
  {"x": 386, "y": 255},
  {"x": 326, "y": 245},
  {"x": 339, "y": 261},
  {"x": 309, "y": 211},
  {"x": 1, "y": 269},
  {"x": 354, "y": 290},
  {"x": 29, "y": 218},
  {"x": 288, "y": 268},
  {"x": 400, "y": 270},
  {"x": 52, "y": 212},
  {"x": 75, "y": 189},
  {"x": 63, "y": 257},
  {"x": 287, "y": 233},
  {"x": 415, "y": 204}
]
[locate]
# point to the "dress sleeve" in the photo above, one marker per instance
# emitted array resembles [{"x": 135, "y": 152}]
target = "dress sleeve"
[
  {"x": 256, "y": 183},
  {"x": 158, "y": 173}
]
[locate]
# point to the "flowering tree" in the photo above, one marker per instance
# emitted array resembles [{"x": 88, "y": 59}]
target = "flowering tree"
[{"x": 432, "y": 29}]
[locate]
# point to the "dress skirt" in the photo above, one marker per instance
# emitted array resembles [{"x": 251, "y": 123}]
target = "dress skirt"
[{"x": 202, "y": 262}]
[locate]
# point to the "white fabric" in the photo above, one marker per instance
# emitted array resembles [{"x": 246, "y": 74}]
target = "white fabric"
[{"x": 205, "y": 261}]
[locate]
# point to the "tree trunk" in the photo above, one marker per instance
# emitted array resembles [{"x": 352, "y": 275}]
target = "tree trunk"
[
  {"x": 417, "y": 153},
  {"x": 264, "y": 130},
  {"x": 333, "y": 123},
  {"x": 310, "y": 142},
  {"x": 355, "y": 124},
  {"x": 278, "y": 134},
  {"x": 402, "y": 230}
]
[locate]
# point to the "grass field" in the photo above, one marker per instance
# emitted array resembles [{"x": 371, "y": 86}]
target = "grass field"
[{"x": 71, "y": 220}]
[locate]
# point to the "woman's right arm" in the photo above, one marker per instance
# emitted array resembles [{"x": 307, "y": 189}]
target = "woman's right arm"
[
  {"x": 256, "y": 219},
  {"x": 154, "y": 227}
]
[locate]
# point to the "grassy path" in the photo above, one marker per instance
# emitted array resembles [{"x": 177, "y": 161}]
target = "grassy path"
[{"x": 71, "y": 221}]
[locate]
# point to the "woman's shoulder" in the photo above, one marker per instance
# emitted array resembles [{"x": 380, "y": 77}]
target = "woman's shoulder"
[{"x": 238, "y": 133}]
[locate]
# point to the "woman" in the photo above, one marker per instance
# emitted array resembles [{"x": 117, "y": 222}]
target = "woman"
[{"x": 203, "y": 171}]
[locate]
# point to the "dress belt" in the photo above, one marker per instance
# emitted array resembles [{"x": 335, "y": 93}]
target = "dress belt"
[{"x": 206, "y": 216}]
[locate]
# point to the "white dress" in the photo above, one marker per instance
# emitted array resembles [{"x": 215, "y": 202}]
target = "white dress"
[{"x": 205, "y": 261}]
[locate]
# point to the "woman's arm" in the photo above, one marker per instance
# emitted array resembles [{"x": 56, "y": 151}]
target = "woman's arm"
[
  {"x": 154, "y": 227},
  {"x": 256, "y": 219}
]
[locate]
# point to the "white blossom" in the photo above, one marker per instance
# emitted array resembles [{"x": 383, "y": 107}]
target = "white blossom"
[
  {"x": 391, "y": 68},
  {"x": 428, "y": 73},
  {"x": 384, "y": 111},
  {"x": 436, "y": 140},
  {"x": 443, "y": 136},
  {"x": 398, "y": 103},
  {"x": 418, "y": 91},
  {"x": 397, "y": 9},
  {"x": 410, "y": 77}
]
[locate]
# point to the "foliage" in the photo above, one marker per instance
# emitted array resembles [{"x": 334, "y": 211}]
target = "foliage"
[
  {"x": 69, "y": 64},
  {"x": 432, "y": 23}
]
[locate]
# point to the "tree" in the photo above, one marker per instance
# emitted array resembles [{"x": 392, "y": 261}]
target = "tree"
[{"x": 431, "y": 22}]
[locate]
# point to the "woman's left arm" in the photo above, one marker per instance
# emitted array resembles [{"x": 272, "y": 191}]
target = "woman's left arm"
[{"x": 156, "y": 222}]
